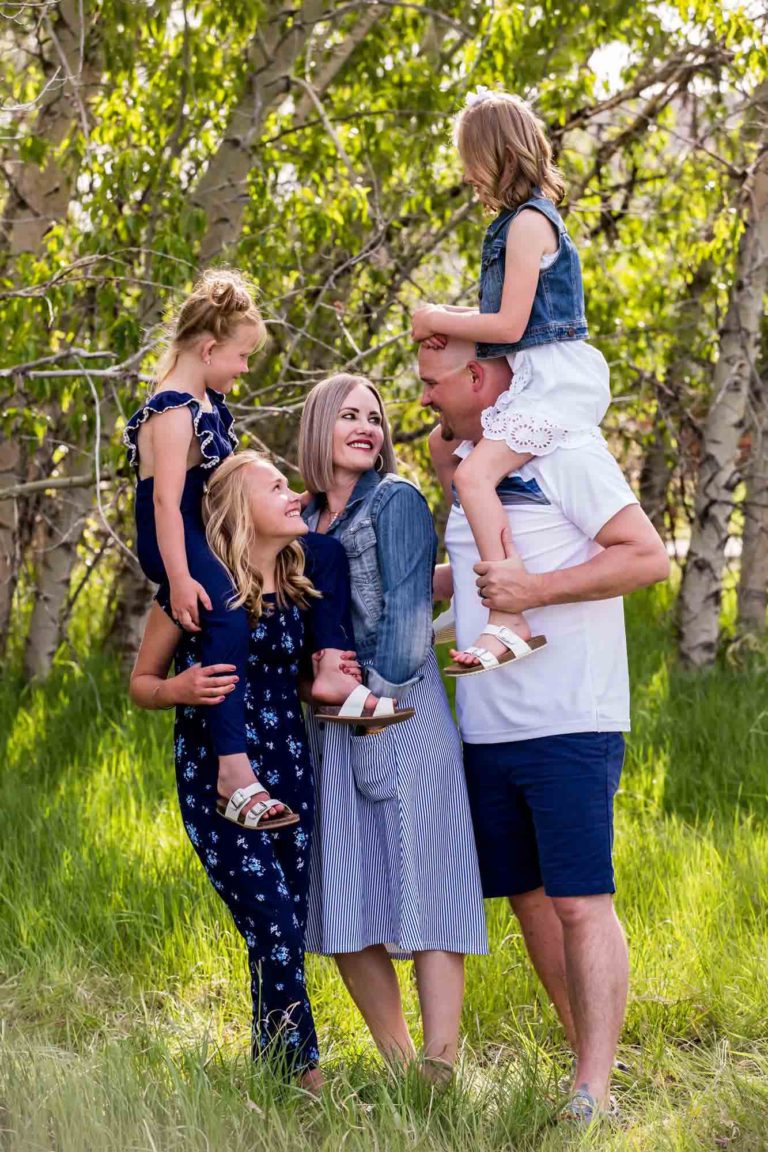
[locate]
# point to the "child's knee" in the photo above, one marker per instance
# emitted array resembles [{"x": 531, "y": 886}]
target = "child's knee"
[{"x": 465, "y": 476}]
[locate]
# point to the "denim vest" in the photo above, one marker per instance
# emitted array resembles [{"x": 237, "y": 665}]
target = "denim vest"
[
  {"x": 406, "y": 640},
  {"x": 558, "y": 306}
]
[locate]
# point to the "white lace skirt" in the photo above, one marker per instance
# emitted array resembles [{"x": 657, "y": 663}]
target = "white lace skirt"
[{"x": 557, "y": 399}]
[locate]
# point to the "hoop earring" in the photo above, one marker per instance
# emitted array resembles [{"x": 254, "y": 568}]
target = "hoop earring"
[{"x": 379, "y": 465}]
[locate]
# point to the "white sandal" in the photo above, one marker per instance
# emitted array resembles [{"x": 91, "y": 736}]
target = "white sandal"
[
  {"x": 351, "y": 711},
  {"x": 444, "y": 626},
  {"x": 232, "y": 810},
  {"x": 517, "y": 650}
]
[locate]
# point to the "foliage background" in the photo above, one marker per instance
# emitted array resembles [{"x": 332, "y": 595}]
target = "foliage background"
[{"x": 310, "y": 144}]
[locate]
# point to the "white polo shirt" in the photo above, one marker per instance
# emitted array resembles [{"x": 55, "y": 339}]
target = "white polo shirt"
[{"x": 556, "y": 505}]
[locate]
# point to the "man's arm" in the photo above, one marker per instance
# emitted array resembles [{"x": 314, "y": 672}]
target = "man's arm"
[{"x": 633, "y": 557}]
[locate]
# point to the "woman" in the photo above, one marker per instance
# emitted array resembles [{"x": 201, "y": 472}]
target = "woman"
[
  {"x": 394, "y": 872},
  {"x": 253, "y": 520}
]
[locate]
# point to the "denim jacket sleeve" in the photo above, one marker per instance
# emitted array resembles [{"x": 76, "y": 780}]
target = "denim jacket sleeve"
[{"x": 406, "y": 546}]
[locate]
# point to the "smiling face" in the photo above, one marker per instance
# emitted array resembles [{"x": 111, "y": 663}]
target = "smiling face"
[
  {"x": 458, "y": 386},
  {"x": 275, "y": 510},
  {"x": 447, "y": 388},
  {"x": 229, "y": 358},
  {"x": 358, "y": 434}
]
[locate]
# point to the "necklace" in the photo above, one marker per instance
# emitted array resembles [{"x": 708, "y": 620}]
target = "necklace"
[{"x": 335, "y": 515}]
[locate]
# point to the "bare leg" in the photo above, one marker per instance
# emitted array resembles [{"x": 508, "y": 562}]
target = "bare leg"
[
  {"x": 236, "y": 772},
  {"x": 440, "y": 984},
  {"x": 371, "y": 982},
  {"x": 597, "y": 969},
  {"x": 476, "y": 479},
  {"x": 543, "y": 935}
]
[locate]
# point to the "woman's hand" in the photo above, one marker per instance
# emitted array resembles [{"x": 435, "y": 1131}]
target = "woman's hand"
[
  {"x": 185, "y": 594},
  {"x": 198, "y": 685}
]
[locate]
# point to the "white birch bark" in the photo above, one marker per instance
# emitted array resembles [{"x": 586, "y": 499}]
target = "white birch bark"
[
  {"x": 39, "y": 194},
  {"x": 10, "y": 469},
  {"x": 222, "y": 191},
  {"x": 133, "y": 600},
  {"x": 700, "y": 594},
  {"x": 753, "y": 581},
  {"x": 55, "y": 555}
]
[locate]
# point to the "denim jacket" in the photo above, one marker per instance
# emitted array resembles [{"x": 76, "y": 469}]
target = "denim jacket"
[
  {"x": 389, "y": 537},
  {"x": 558, "y": 306}
]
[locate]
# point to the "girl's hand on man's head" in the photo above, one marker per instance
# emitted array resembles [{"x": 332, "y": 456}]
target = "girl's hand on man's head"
[{"x": 425, "y": 324}]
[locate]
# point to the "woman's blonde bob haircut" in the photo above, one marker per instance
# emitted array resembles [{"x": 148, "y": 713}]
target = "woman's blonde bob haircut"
[
  {"x": 231, "y": 532},
  {"x": 505, "y": 152},
  {"x": 321, "y": 410}
]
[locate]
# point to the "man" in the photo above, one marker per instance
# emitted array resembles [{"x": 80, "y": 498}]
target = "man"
[{"x": 543, "y": 743}]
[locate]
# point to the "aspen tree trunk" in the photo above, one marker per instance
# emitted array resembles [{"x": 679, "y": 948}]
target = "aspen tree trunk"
[
  {"x": 39, "y": 194},
  {"x": 222, "y": 191},
  {"x": 10, "y": 469},
  {"x": 55, "y": 555},
  {"x": 753, "y": 583},
  {"x": 133, "y": 600},
  {"x": 655, "y": 475},
  {"x": 701, "y": 589},
  {"x": 661, "y": 457},
  {"x": 38, "y": 197}
]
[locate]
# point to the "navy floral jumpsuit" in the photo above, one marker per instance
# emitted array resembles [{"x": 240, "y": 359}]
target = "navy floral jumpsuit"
[{"x": 263, "y": 877}]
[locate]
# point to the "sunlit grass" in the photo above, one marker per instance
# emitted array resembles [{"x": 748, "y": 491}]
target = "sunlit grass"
[{"x": 123, "y": 989}]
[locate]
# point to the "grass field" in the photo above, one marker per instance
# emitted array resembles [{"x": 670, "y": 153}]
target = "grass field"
[{"x": 123, "y": 992}]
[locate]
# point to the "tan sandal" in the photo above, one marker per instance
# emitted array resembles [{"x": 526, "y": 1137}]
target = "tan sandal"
[
  {"x": 518, "y": 649},
  {"x": 232, "y": 810},
  {"x": 351, "y": 711}
]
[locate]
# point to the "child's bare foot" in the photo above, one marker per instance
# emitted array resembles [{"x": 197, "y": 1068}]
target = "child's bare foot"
[
  {"x": 332, "y": 684},
  {"x": 340, "y": 696},
  {"x": 515, "y": 623},
  {"x": 236, "y": 772}
]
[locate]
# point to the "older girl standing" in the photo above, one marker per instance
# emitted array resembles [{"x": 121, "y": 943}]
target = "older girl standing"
[
  {"x": 253, "y": 523},
  {"x": 394, "y": 868}
]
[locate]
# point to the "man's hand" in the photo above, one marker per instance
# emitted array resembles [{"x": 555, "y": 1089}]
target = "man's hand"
[
  {"x": 503, "y": 585},
  {"x": 198, "y": 685},
  {"x": 632, "y": 556}
]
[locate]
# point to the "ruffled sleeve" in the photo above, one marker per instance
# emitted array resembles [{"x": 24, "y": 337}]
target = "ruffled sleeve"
[
  {"x": 213, "y": 430},
  {"x": 226, "y": 417},
  {"x": 160, "y": 402}
]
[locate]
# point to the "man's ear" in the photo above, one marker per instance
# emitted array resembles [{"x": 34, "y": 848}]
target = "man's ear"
[{"x": 477, "y": 374}]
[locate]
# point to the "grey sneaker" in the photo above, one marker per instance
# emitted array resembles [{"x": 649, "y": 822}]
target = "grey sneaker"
[
  {"x": 565, "y": 1082},
  {"x": 583, "y": 1109}
]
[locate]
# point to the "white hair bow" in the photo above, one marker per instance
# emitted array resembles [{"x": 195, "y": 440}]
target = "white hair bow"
[{"x": 477, "y": 97}]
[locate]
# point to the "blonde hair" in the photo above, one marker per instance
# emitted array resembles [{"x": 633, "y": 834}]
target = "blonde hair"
[
  {"x": 220, "y": 301},
  {"x": 504, "y": 149},
  {"x": 231, "y": 532},
  {"x": 321, "y": 409}
]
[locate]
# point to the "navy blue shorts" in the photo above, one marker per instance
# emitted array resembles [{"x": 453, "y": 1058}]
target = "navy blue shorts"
[{"x": 543, "y": 812}]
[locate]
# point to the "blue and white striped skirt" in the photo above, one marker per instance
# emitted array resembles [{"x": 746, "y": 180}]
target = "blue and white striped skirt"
[{"x": 393, "y": 858}]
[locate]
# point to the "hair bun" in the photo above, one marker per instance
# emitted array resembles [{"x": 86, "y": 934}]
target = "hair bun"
[{"x": 228, "y": 292}]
